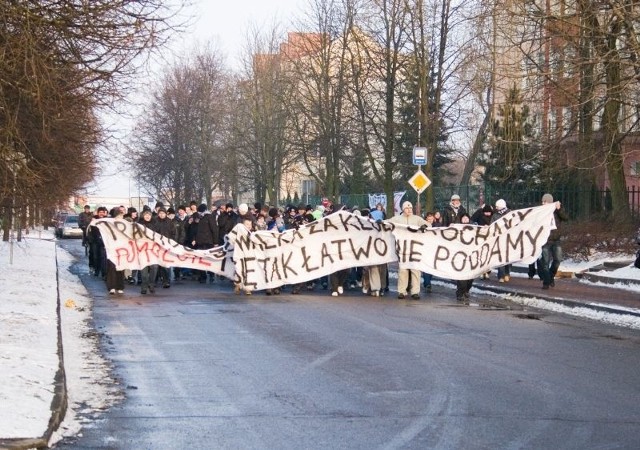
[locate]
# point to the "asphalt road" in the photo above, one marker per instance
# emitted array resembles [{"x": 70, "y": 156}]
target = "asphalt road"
[{"x": 203, "y": 368}]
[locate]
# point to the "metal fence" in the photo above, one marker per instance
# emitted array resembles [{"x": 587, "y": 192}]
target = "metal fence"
[{"x": 580, "y": 204}]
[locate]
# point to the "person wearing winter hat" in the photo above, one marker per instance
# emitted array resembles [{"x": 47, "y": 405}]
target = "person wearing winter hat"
[
  {"x": 453, "y": 211},
  {"x": 148, "y": 273},
  {"x": 504, "y": 272},
  {"x": 318, "y": 213},
  {"x": 482, "y": 217},
  {"x": 406, "y": 276},
  {"x": 551, "y": 256}
]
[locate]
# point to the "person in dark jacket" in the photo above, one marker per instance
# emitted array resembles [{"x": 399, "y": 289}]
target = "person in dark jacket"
[
  {"x": 179, "y": 225},
  {"x": 114, "y": 278},
  {"x": 551, "y": 256},
  {"x": 164, "y": 227},
  {"x": 453, "y": 212},
  {"x": 206, "y": 236},
  {"x": 97, "y": 251},
  {"x": 226, "y": 221},
  {"x": 148, "y": 274},
  {"x": 482, "y": 217}
]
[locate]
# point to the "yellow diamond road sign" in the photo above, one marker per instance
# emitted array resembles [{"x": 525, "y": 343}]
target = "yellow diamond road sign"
[{"x": 419, "y": 181}]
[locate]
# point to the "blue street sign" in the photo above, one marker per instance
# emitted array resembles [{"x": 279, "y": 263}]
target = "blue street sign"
[{"x": 419, "y": 156}]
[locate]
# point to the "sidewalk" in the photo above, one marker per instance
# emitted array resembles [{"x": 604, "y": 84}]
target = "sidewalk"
[{"x": 583, "y": 291}]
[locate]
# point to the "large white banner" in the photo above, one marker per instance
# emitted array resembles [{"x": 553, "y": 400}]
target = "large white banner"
[{"x": 263, "y": 259}]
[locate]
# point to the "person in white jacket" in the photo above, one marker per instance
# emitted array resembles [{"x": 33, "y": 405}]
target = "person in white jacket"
[{"x": 408, "y": 277}]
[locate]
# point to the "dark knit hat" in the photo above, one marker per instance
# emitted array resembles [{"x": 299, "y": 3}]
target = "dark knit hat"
[
  {"x": 202, "y": 208},
  {"x": 159, "y": 205},
  {"x": 487, "y": 208},
  {"x": 171, "y": 210}
]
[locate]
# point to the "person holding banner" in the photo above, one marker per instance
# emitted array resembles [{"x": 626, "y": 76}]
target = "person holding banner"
[
  {"x": 408, "y": 276},
  {"x": 504, "y": 272},
  {"x": 453, "y": 212},
  {"x": 551, "y": 256},
  {"x": 148, "y": 274}
]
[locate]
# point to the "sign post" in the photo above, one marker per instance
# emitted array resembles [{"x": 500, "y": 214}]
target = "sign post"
[{"x": 419, "y": 181}]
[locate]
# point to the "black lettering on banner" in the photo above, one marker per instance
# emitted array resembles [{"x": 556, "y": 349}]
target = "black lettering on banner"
[
  {"x": 474, "y": 260},
  {"x": 244, "y": 242},
  {"x": 329, "y": 224},
  {"x": 442, "y": 254},
  {"x": 262, "y": 263},
  {"x": 324, "y": 253},
  {"x": 449, "y": 234},
  {"x": 462, "y": 258},
  {"x": 346, "y": 222},
  {"x": 107, "y": 225},
  {"x": 312, "y": 228},
  {"x": 306, "y": 260},
  {"x": 495, "y": 250},
  {"x": 368, "y": 225},
  {"x": 484, "y": 254},
  {"x": 463, "y": 233},
  {"x": 275, "y": 270},
  {"x": 263, "y": 243},
  {"x": 122, "y": 227},
  {"x": 244, "y": 263},
  {"x": 497, "y": 231},
  {"x": 482, "y": 233},
  {"x": 508, "y": 221},
  {"x": 518, "y": 243},
  {"x": 361, "y": 251},
  {"x": 286, "y": 267},
  {"x": 380, "y": 247},
  {"x": 534, "y": 239},
  {"x": 522, "y": 213},
  {"x": 415, "y": 253},
  {"x": 339, "y": 243}
]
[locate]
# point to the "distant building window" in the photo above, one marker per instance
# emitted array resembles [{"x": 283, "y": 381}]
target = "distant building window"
[{"x": 635, "y": 168}]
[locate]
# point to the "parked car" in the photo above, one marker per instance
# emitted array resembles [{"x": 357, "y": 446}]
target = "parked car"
[
  {"x": 70, "y": 228},
  {"x": 58, "y": 221}
]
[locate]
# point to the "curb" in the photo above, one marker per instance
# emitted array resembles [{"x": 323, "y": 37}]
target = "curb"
[
  {"x": 560, "y": 301},
  {"x": 58, "y": 404}
]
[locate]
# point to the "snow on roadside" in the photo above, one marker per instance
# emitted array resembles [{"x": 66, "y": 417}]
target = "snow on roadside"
[
  {"x": 28, "y": 337},
  {"x": 90, "y": 387}
]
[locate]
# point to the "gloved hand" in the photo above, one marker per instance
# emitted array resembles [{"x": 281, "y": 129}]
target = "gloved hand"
[{"x": 379, "y": 221}]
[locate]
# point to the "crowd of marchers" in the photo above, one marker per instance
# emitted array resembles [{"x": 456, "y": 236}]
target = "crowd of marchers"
[{"x": 197, "y": 226}]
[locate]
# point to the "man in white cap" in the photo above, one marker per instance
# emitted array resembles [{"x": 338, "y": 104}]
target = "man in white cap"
[
  {"x": 453, "y": 212},
  {"x": 408, "y": 277}
]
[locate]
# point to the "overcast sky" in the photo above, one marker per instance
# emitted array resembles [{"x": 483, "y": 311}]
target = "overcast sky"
[{"x": 226, "y": 23}]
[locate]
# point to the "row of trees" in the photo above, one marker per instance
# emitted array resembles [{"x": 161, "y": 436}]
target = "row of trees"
[
  {"x": 61, "y": 63},
  {"x": 515, "y": 87},
  {"x": 342, "y": 104}
]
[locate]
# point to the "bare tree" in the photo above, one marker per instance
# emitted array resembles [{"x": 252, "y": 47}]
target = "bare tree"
[
  {"x": 262, "y": 92},
  {"x": 179, "y": 146}
]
